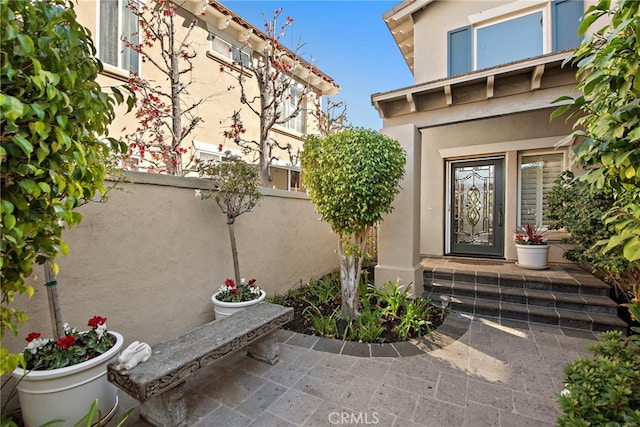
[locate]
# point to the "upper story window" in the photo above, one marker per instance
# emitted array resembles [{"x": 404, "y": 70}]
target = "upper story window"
[
  {"x": 513, "y": 36},
  {"x": 288, "y": 107},
  {"x": 229, "y": 51},
  {"x": 115, "y": 21}
]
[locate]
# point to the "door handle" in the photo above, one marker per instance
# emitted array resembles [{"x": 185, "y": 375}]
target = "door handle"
[{"x": 500, "y": 215}]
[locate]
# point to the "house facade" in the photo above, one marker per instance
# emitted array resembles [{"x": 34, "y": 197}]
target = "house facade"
[
  {"x": 222, "y": 41},
  {"x": 483, "y": 152}
]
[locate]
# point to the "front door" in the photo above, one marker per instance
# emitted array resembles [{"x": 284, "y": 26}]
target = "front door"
[{"x": 476, "y": 206}]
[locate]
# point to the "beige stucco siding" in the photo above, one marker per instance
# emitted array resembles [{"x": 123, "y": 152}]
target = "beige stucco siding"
[{"x": 506, "y": 136}]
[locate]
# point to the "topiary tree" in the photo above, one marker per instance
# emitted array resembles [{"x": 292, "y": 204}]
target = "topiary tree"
[
  {"x": 52, "y": 156},
  {"x": 235, "y": 191},
  {"x": 352, "y": 177}
]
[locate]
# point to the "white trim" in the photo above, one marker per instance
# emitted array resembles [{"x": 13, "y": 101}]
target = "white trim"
[
  {"x": 509, "y": 16},
  {"x": 499, "y": 147},
  {"x": 207, "y": 148},
  {"x": 506, "y": 9}
]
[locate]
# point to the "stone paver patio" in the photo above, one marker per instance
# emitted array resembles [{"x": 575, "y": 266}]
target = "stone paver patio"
[{"x": 473, "y": 371}]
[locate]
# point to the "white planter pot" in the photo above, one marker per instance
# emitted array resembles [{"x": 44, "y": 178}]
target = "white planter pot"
[
  {"x": 67, "y": 393},
  {"x": 533, "y": 257},
  {"x": 225, "y": 309}
]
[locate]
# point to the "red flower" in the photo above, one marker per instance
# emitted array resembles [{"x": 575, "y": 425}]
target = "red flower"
[
  {"x": 96, "y": 321},
  {"x": 33, "y": 336},
  {"x": 234, "y": 291},
  {"x": 230, "y": 283},
  {"x": 251, "y": 282},
  {"x": 66, "y": 342}
]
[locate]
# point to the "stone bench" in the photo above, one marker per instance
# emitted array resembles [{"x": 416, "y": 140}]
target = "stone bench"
[{"x": 158, "y": 383}]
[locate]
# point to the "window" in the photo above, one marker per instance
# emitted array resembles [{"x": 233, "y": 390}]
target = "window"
[
  {"x": 285, "y": 178},
  {"x": 115, "y": 21},
  {"x": 509, "y": 41},
  {"x": 288, "y": 107},
  {"x": 492, "y": 40},
  {"x": 537, "y": 176},
  {"x": 229, "y": 51}
]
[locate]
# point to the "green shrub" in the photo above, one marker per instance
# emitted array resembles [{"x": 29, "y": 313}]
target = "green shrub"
[
  {"x": 579, "y": 209},
  {"x": 605, "y": 389}
]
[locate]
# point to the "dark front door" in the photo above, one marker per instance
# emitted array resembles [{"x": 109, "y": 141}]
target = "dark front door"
[{"x": 477, "y": 208}]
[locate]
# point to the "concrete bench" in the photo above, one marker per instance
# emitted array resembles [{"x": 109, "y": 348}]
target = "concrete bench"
[{"x": 158, "y": 383}]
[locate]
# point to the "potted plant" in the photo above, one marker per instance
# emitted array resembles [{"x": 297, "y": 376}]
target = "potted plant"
[
  {"x": 532, "y": 247},
  {"x": 62, "y": 378},
  {"x": 232, "y": 298},
  {"x": 236, "y": 192}
]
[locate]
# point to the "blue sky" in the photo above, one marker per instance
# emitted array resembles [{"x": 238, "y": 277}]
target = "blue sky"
[{"x": 348, "y": 40}]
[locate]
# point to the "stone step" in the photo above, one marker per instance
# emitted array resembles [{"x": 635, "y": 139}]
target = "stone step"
[
  {"x": 578, "y": 300},
  {"x": 595, "y": 322},
  {"x": 537, "y": 297},
  {"x": 581, "y": 284}
]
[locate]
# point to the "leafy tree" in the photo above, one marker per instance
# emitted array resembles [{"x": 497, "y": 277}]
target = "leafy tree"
[
  {"x": 167, "y": 114},
  {"x": 235, "y": 191},
  {"x": 352, "y": 177},
  {"x": 273, "y": 71},
  {"x": 52, "y": 158},
  {"x": 608, "y": 116}
]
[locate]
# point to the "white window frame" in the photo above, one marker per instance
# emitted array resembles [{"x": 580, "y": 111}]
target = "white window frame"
[
  {"x": 289, "y": 170},
  {"x": 563, "y": 167},
  {"x": 507, "y": 13},
  {"x": 212, "y": 150},
  {"x": 118, "y": 68},
  {"x": 291, "y": 125},
  {"x": 228, "y": 51}
]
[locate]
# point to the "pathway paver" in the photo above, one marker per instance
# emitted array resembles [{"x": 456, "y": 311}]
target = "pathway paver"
[{"x": 476, "y": 371}]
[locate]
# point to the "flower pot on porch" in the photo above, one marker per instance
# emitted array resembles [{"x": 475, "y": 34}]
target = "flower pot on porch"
[
  {"x": 533, "y": 257},
  {"x": 68, "y": 393},
  {"x": 224, "y": 309}
]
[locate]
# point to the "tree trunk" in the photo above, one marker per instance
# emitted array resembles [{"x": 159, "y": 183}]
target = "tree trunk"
[
  {"x": 350, "y": 271},
  {"x": 234, "y": 251},
  {"x": 54, "y": 305}
]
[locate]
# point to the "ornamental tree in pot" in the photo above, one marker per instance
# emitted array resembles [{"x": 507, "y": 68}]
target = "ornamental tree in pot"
[
  {"x": 236, "y": 192},
  {"x": 53, "y": 157}
]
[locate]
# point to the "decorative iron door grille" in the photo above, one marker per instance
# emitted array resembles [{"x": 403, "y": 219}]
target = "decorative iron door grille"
[{"x": 477, "y": 208}]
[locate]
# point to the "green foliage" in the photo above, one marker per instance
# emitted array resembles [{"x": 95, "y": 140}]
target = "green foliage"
[
  {"x": 52, "y": 156},
  {"x": 324, "y": 326},
  {"x": 235, "y": 191},
  {"x": 236, "y": 185},
  {"x": 608, "y": 116},
  {"x": 578, "y": 208},
  {"x": 384, "y": 312},
  {"x": 605, "y": 389},
  {"x": 352, "y": 177}
]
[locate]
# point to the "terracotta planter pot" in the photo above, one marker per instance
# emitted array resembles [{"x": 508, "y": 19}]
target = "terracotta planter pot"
[
  {"x": 225, "y": 309},
  {"x": 533, "y": 257},
  {"x": 67, "y": 393}
]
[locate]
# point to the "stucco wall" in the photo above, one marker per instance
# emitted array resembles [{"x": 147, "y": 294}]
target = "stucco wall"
[
  {"x": 506, "y": 136},
  {"x": 150, "y": 258}
]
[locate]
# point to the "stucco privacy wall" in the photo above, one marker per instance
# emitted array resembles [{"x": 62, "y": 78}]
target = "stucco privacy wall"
[{"x": 150, "y": 258}]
